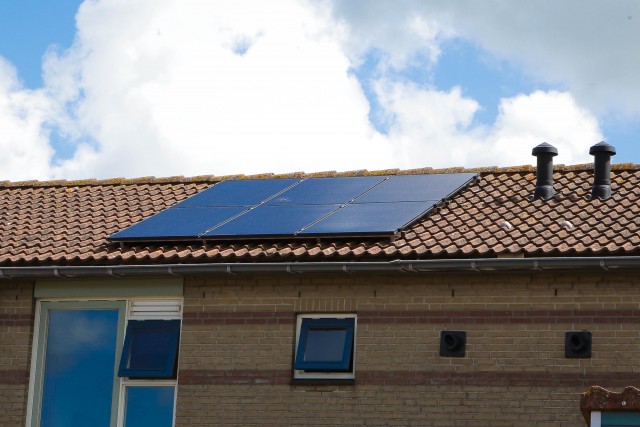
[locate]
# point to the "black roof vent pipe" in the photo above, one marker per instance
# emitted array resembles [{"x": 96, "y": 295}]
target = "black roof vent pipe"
[
  {"x": 544, "y": 172},
  {"x": 602, "y": 153}
]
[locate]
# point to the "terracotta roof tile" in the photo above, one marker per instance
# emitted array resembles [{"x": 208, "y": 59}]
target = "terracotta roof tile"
[{"x": 67, "y": 222}]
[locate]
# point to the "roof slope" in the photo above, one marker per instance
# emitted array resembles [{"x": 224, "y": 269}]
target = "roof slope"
[{"x": 67, "y": 223}]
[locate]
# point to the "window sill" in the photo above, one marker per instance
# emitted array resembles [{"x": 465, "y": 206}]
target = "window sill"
[{"x": 320, "y": 382}]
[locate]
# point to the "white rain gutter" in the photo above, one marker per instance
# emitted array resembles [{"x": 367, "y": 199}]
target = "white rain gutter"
[{"x": 480, "y": 265}]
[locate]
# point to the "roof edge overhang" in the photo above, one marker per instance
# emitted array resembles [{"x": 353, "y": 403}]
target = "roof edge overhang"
[{"x": 479, "y": 265}]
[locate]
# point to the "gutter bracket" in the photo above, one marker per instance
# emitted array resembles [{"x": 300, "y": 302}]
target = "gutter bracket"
[
  {"x": 290, "y": 271},
  {"x": 409, "y": 268}
]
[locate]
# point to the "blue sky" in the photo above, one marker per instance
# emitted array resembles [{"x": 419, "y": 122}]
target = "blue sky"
[
  {"x": 28, "y": 28},
  {"x": 115, "y": 88}
]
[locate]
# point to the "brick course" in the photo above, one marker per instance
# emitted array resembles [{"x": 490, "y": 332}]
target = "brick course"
[
  {"x": 238, "y": 338},
  {"x": 16, "y": 329}
]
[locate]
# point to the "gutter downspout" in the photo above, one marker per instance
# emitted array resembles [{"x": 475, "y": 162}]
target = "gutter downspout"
[{"x": 478, "y": 265}]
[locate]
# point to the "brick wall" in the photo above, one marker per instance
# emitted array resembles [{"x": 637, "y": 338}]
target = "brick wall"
[
  {"x": 238, "y": 338},
  {"x": 16, "y": 327}
]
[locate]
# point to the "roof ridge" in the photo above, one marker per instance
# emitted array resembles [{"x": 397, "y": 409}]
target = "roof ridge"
[{"x": 323, "y": 174}]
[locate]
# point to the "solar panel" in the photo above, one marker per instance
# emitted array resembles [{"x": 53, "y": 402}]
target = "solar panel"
[
  {"x": 249, "y": 192},
  {"x": 178, "y": 223},
  {"x": 288, "y": 208},
  {"x": 414, "y": 188},
  {"x": 272, "y": 221},
  {"x": 326, "y": 191},
  {"x": 369, "y": 218}
]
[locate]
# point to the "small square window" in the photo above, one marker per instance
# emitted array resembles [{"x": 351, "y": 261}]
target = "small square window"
[
  {"x": 150, "y": 349},
  {"x": 325, "y": 347}
]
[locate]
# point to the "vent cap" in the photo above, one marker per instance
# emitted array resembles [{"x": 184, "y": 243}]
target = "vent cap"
[
  {"x": 602, "y": 153},
  {"x": 544, "y": 170}
]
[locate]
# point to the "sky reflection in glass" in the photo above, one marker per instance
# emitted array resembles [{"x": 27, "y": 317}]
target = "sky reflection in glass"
[
  {"x": 149, "y": 406},
  {"x": 325, "y": 345},
  {"x": 79, "y": 368}
]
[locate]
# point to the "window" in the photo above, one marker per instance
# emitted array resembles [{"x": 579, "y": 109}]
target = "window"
[
  {"x": 77, "y": 348},
  {"x": 149, "y": 406},
  {"x": 325, "y": 347},
  {"x": 150, "y": 349}
]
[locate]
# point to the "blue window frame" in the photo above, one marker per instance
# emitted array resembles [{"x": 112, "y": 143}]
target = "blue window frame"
[
  {"x": 150, "y": 349},
  {"x": 325, "y": 345}
]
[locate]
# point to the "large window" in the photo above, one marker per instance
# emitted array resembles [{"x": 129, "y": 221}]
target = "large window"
[
  {"x": 325, "y": 347},
  {"x": 78, "y": 347}
]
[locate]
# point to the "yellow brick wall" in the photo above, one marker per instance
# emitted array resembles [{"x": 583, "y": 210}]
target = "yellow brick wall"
[
  {"x": 238, "y": 338},
  {"x": 16, "y": 328}
]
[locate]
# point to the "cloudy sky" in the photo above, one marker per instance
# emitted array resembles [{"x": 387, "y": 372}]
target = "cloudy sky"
[{"x": 110, "y": 88}]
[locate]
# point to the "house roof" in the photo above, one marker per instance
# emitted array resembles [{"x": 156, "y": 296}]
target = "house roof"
[{"x": 45, "y": 223}]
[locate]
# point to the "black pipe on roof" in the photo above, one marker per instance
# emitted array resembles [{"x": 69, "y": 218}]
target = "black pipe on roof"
[
  {"x": 602, "y": 153},
  {"x": 544, "y": 170}
]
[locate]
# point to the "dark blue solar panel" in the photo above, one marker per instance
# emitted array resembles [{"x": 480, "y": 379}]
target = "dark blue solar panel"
[
  {"x": 178, "y": 223},
  {"x": 272, "y": 220},
  {"x": 369, "y": 218},
  {"x": 326, "y": 191},
  {"x": 291, "y": 207},
  {"x": 248, "y": 192},
  {"x": 415, "y": 188}
]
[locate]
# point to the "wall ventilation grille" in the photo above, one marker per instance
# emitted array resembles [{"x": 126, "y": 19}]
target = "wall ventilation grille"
[{"x": 158, "y": 309}]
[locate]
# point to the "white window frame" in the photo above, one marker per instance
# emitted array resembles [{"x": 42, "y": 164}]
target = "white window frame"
[
  {"x": 304, "y": 375},
  {"x": 150, "y": 309},
  {"x": 175, "y": 311}
]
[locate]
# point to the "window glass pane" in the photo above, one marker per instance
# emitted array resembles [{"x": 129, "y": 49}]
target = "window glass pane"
[
  {"x": 79, "y": 367},
  {"x": 149, "y": 406},
  {"x": 325, "y": 345},
  {"x": 151, "y": 348}
]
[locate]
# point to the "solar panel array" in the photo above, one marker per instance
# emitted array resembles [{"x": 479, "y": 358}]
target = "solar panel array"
[{"x": 288, "y": 208}]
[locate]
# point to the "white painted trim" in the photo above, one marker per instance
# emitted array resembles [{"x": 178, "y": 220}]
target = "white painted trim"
[
  {"x": 131, "y": 314},
  {"x": 300, "y": 374},
  {"x": 34, "y": 361},
  {"x": 596, "y": 419}
]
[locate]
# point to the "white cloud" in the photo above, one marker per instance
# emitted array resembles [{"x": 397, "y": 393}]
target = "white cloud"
[
  {"x": 399, "y": 30},
  {"x": 587, "y": 46},
  {"x": 210, "y": 88},
  {"x": 590, "y": 46},
  {"x": 435, "y": 128},
  {"x": 24, "y": 138},
  {"x": 157, "y": 87}
]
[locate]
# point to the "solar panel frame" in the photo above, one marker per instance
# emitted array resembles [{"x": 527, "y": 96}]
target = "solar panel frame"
[{"x": 237, "y": 209}]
